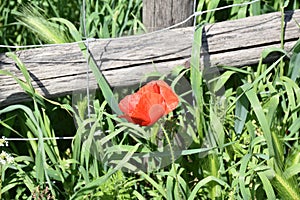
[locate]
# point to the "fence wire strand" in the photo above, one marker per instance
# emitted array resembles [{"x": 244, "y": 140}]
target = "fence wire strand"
[
  {"x": 88, "y": 40},
  {"x": 194, "y": 15},
  {"x": 87, "y": 61}
]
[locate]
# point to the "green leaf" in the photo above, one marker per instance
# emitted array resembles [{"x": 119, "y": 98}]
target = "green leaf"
[
  {"x": 272, "y": 106},
  {"x": 154, "y": 184},
  {"x": 268, "y": 51},
  {"x": 197, "y": 79},
  {"x": 245, "y": 191},
  {"x": 258, "y": 110},
  {"x": 241, "y": 112},
  {"x": 292, "y": 171},
  {"x": 295, "y": 127},
  {"x": 256, "y": 8},
  {"x": 88, "y": 188},
  {"x": 289, "y": 88},
  {"x": 211, "y": 5},
  {"x": 217, "y": 128},
  {"x": 27, "y": 85},
  {"x": 102, "y": 82},
  {"x": 203, "y": 182},
  {"x": 294, "y": 66},
  {"x": 222, "y": 80},
  {"x": 267, "y": 186}
]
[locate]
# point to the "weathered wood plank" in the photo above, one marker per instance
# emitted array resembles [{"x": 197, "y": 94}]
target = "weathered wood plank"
[
  {"x": 60, "y": 70},
  {"x": 158, "y": 14}
]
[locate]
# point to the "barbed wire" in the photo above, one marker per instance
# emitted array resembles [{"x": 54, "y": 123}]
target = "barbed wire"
[{"x": 88, "y": 40}]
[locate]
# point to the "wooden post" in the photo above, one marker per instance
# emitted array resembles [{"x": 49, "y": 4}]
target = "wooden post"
[{"x": 158, "y": 14}]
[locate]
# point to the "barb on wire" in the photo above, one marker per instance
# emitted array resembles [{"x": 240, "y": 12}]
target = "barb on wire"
[{"x": 120, "y": 38}]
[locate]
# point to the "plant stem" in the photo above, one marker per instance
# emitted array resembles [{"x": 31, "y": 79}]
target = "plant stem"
[
  {"x": 173, "y": 161},
  {"x": 169, "y": 143}
]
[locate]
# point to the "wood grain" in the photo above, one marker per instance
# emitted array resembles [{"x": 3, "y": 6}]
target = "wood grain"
[
  {"x": 158, "y": 14},
  {"x": 59, "y": 70}
]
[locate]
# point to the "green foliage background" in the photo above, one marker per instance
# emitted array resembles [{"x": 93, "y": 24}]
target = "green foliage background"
[
  {"x": 253, "y": 147},
  {"x": 104, "y": 18}
]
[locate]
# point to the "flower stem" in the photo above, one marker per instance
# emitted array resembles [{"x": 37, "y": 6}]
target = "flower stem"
[
  {"x": 170, "y": 145},
  {"x": 173, "y": 162}
]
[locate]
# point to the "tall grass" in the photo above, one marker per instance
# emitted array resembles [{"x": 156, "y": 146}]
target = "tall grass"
[
  {"x": 104, "y": 19},
  {"x": 257, "y": 8},
  {"x": 248, "y": 149}
]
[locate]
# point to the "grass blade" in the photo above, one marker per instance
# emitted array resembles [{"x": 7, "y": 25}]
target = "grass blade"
[
  {"x": 267, "y": 186},
  {"x": 197, "y": 80},
  {"x": 241, "y": 112},
  {"x": 203, "y": 182},
  {"x": 103, "y": 84},
  {"x": 258, "y": 110}
]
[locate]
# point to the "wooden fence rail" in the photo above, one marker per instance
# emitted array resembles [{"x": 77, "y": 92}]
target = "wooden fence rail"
[{"x": 60, "y": 70}]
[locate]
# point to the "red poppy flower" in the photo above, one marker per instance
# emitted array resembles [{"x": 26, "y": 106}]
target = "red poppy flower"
[{"x": 150, "y": 103}]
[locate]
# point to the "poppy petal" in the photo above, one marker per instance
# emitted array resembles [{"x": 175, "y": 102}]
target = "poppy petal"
[
  {"x": 150, "y": 87},
  {"x": 151, "y": 102},
  {"x": 142, "y": 113},
  {"x": 128, "y": 104},
  {"x": 156, "y": 112},
  {"x": 170, "y": 98}
]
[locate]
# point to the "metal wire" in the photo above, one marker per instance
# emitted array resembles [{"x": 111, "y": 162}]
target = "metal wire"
[
  {"x": 87, "y": 61},
  {"x": 88, "y": 40},
  {"x": 134, "y": 36},
  {"x": 35, "y": 139}
]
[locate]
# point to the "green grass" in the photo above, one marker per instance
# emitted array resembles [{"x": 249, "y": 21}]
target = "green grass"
[
  {"x": 104, "y": 19},
  {"x": 244, "y": 145}
]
